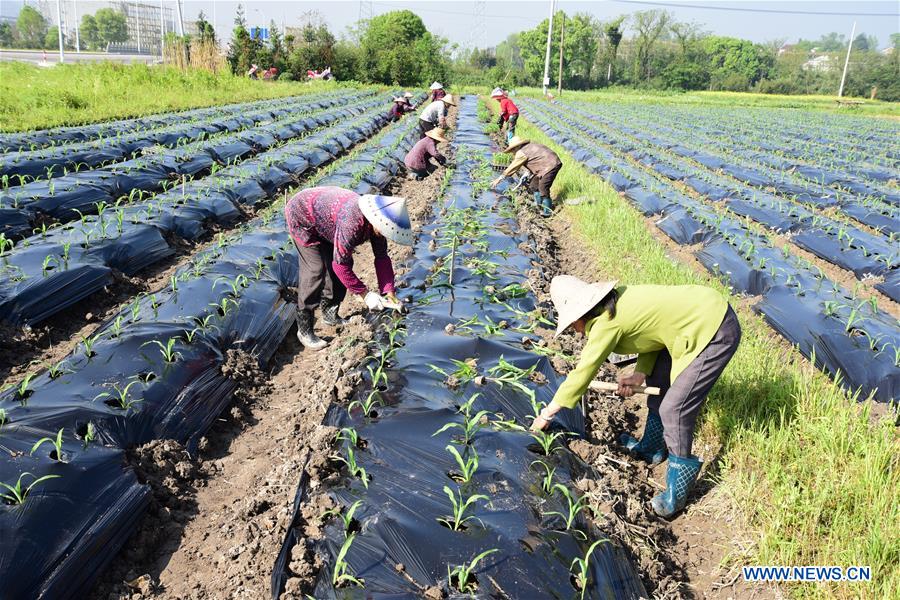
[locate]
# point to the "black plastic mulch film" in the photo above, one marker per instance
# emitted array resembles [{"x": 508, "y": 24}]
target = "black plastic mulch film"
[
  {"x": 408, "y": 467},
  {"x": 847, "y": 335},
  {"x": 153, "y": 371}
]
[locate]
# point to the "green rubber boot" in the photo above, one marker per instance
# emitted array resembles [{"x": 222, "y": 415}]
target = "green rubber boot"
[
  {"x": 680, "y": 479},
  {"x": 546, "y": 207}
]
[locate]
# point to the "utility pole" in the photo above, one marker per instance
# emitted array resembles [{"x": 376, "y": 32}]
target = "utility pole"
[
  {"x": 562, "y": 37},
  {"x": 180, "y": 18},
  {"x": 77, "y": 36},
  {"x": 547, "y": 55},
  {"x": 59, "y": 30},
  {"x": 847, "y": 60},
  {"x": 162, "y": 29}
]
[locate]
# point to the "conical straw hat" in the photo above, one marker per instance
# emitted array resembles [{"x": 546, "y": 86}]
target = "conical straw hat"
[
  {"x": 515, "y": 143},
  {"x": 448, "y": 99},
  {"x": 437, "y": 134},
  {"x": 436, "y": 86},
  {"x": 574, "y": 298},
  {"x": 389, "y": 216}
]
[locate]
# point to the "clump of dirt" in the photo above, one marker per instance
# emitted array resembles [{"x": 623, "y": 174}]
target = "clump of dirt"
[{"x": 244, "y": 368}]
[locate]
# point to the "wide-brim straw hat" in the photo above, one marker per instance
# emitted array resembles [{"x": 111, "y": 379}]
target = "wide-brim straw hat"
[
  {"x": 496, "y": 93},
  {"x": 574, "y": 298},
  {"x": 400, "y": 99},
  {"x": 388, "y": 215},
  {"x": 448, "y": 99},
  {"x": 436, "y": 86},
  {"x": 437, "y": 134},
  {"x": 515, "y": 143},
  {"x": 407, "y": 94}
]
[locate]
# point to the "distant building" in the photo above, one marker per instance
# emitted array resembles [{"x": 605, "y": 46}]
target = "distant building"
[
  {"x": 821, "y": 62},
  {"x": 786, "y": 48}
]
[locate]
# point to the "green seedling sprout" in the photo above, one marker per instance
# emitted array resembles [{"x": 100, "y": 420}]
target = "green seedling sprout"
[
  {"x": 547, "y": 479},
  {"x": 470, "y": 426},
  {"x": 468, "y": 466},
  {"x": 348, "y": 434},
  {"x": 463, "y": 573},
  {"x": 120, "y": 395},
  {"x": 345, "y": 517},
  {"x": 168, "y": 351},
  {"x": 352, "y": 466},
  {"x": 223, "y": 305},
  {"x": 56, "y": 442},
  {"x": 546, "y": 440},
  {"x": 3, "y": 417},
  {"x": 574, "y": 506},
  {"x": 342, "y": 575},
  {"x": 90, "y": 434},
  {"x": 581, "y": 574},
  {"x": 460, "y": 505},
  {"x": 88, "y": 344},
  {"x": 22, "y": 390},
  {"x": 18, "y": 494}
]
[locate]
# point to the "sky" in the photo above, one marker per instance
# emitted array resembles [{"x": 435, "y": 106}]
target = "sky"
[{"x": 454, "y": 19}]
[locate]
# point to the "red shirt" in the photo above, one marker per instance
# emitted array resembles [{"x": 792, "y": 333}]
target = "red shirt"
[{"x": 507, "y": 108}]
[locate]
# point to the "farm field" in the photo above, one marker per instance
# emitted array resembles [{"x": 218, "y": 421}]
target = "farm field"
[{"x": 165, "y": 435}]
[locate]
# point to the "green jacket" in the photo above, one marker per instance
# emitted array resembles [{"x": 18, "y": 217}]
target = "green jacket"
[{"x": 680, "y": 318}]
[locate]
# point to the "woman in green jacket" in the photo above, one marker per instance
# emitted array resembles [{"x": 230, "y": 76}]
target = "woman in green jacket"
[{"x": 684, "y": 336}]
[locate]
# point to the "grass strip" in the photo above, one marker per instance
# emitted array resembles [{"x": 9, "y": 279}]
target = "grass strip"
[
  {"x": 802, "y": 464},
  {"x": 33, "y": 97}
]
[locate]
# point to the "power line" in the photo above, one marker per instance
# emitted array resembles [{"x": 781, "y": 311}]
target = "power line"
[
  {"x": 759, "y": 10},
  {"x": 450, "y": 12}
]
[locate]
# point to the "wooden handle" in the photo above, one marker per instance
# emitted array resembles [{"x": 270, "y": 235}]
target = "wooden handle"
[{"x": 603, "y": 386}]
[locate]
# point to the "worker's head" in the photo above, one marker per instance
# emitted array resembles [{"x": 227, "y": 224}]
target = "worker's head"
[
  {"x": 436, "y": 86},
  {"x": 497, "y": 93},
  {"x": 515, "y": 143},
  {"x": 448, "y": 99},
  {"x": 388, "y": 217},
  {"x": 577, "y": 301},
  {"x": 437, "y": 134},
  {"x": 400, "y": 100}
]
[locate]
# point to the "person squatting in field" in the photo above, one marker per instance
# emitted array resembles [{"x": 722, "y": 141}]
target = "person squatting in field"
[
  {"x": 435, "y": 114},
  {"x": 542, "y": 162},
  {"x": 400, "y": 106},
  {"x": 437, "y": 91},
  {"x": 509, "y": 113},
  {"x": 684, "y": 336},
  {"x": 327, "y": 224},
  {"x": 417, "y": 160}
]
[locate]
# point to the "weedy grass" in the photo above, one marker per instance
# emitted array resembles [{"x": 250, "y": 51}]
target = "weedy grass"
[
  {"x": 812, "y": 476},
  {"x": 33, "y": 97}
]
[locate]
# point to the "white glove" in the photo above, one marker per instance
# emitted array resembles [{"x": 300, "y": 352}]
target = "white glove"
[{"x": 374, "y": 301}]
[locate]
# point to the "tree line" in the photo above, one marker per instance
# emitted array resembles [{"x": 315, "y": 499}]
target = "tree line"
[{"x": 31, "y": 30}]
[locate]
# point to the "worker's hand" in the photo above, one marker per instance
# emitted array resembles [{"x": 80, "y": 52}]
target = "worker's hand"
[
  {"x": 542, "y": 421},
  {"x": 496, "y": 182},
  {"x": 392, "y": 301},
  {"x": 374, "y": 301},
  {"x": 627, "y": 383}
]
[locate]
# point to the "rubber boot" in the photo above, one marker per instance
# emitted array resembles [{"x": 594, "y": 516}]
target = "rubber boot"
[
  {"x": 546, "y": 207},
  {"x": 509, "y": 136},
  {"x": 305, "y": 332},
  {"x": 651, "y": 447},
  {"x": 330, "y": 315},
  {"x": 680, "y": 478},
  {"x": 537, "y": 199}
]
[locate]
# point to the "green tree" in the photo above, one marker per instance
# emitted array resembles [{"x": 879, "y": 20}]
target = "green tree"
[
  {"x": 314, "y": 49},
  {"x": 649, "y": 27},
  {"x": 51, "y": 39},
  {"x": 276, "y": 45},
  {"x": 735, "y": 64},
  {"x": 397, "y": 49},
  {"x": 31, "y": 27},
  {"x": 112, "y": 27},
  {"x": 7, "y": 35},
  {"x": 612, "y": 32},
  {"x": 243, "y": 51},
  {"x": 579, "y": 49},
  {"x": 865, "y": 43},
  {"x": 205, "y": 30},
  {"x": 88, "y": 32}
]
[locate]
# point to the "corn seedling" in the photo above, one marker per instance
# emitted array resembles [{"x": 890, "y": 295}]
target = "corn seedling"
[
  {"x": 56, "y": 442},
  {"x": 464, "y": 373},
  {"x": 88, "y": 345},
  {"x": 90, "y": 435},
  {"x": 342, "y": 575},
  {"x": 470, "y": 426},
  {"x": 546, "y": 440},
  {"x": 573, "y": 506},
  {"x": 119, "y": 396},
  {"x": 460, "y": 505},
  {"x": 467, "y": 466},
  {"x": 22, "y": 390},
  {"x": 55, "y": 370},
  {"x": 349, "y": 435},
  {"x": 17, "y": 493},
  {"x": 167, "y": 350},
  {"x": 583, "y": 564},
  {"x": 465, "y": 583},
  {"x": 345, "y": 517},
  {"x": 354, "y": 469},
  {"x": 547, "y": 478},
  {"x": 3, "y": 417}
]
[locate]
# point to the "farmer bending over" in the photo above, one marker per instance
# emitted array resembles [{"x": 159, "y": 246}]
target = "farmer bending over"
[
  {"x": 684, "y": 336},
  {"x": 437, "y": 91},
  {"x": 542, "y": 162},
  {"x": 327, "y": 224},
  {"x": 407, "y": 102},
  {"x": 398, "y": 109},
  {"x": 509, "y": 113},
  {"x": 417, "y": 159},
  {"x": 435, "y": 114}
]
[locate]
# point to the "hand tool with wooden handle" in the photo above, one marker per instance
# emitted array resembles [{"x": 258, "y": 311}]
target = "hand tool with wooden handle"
[{"x": 604, "y": 386}]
